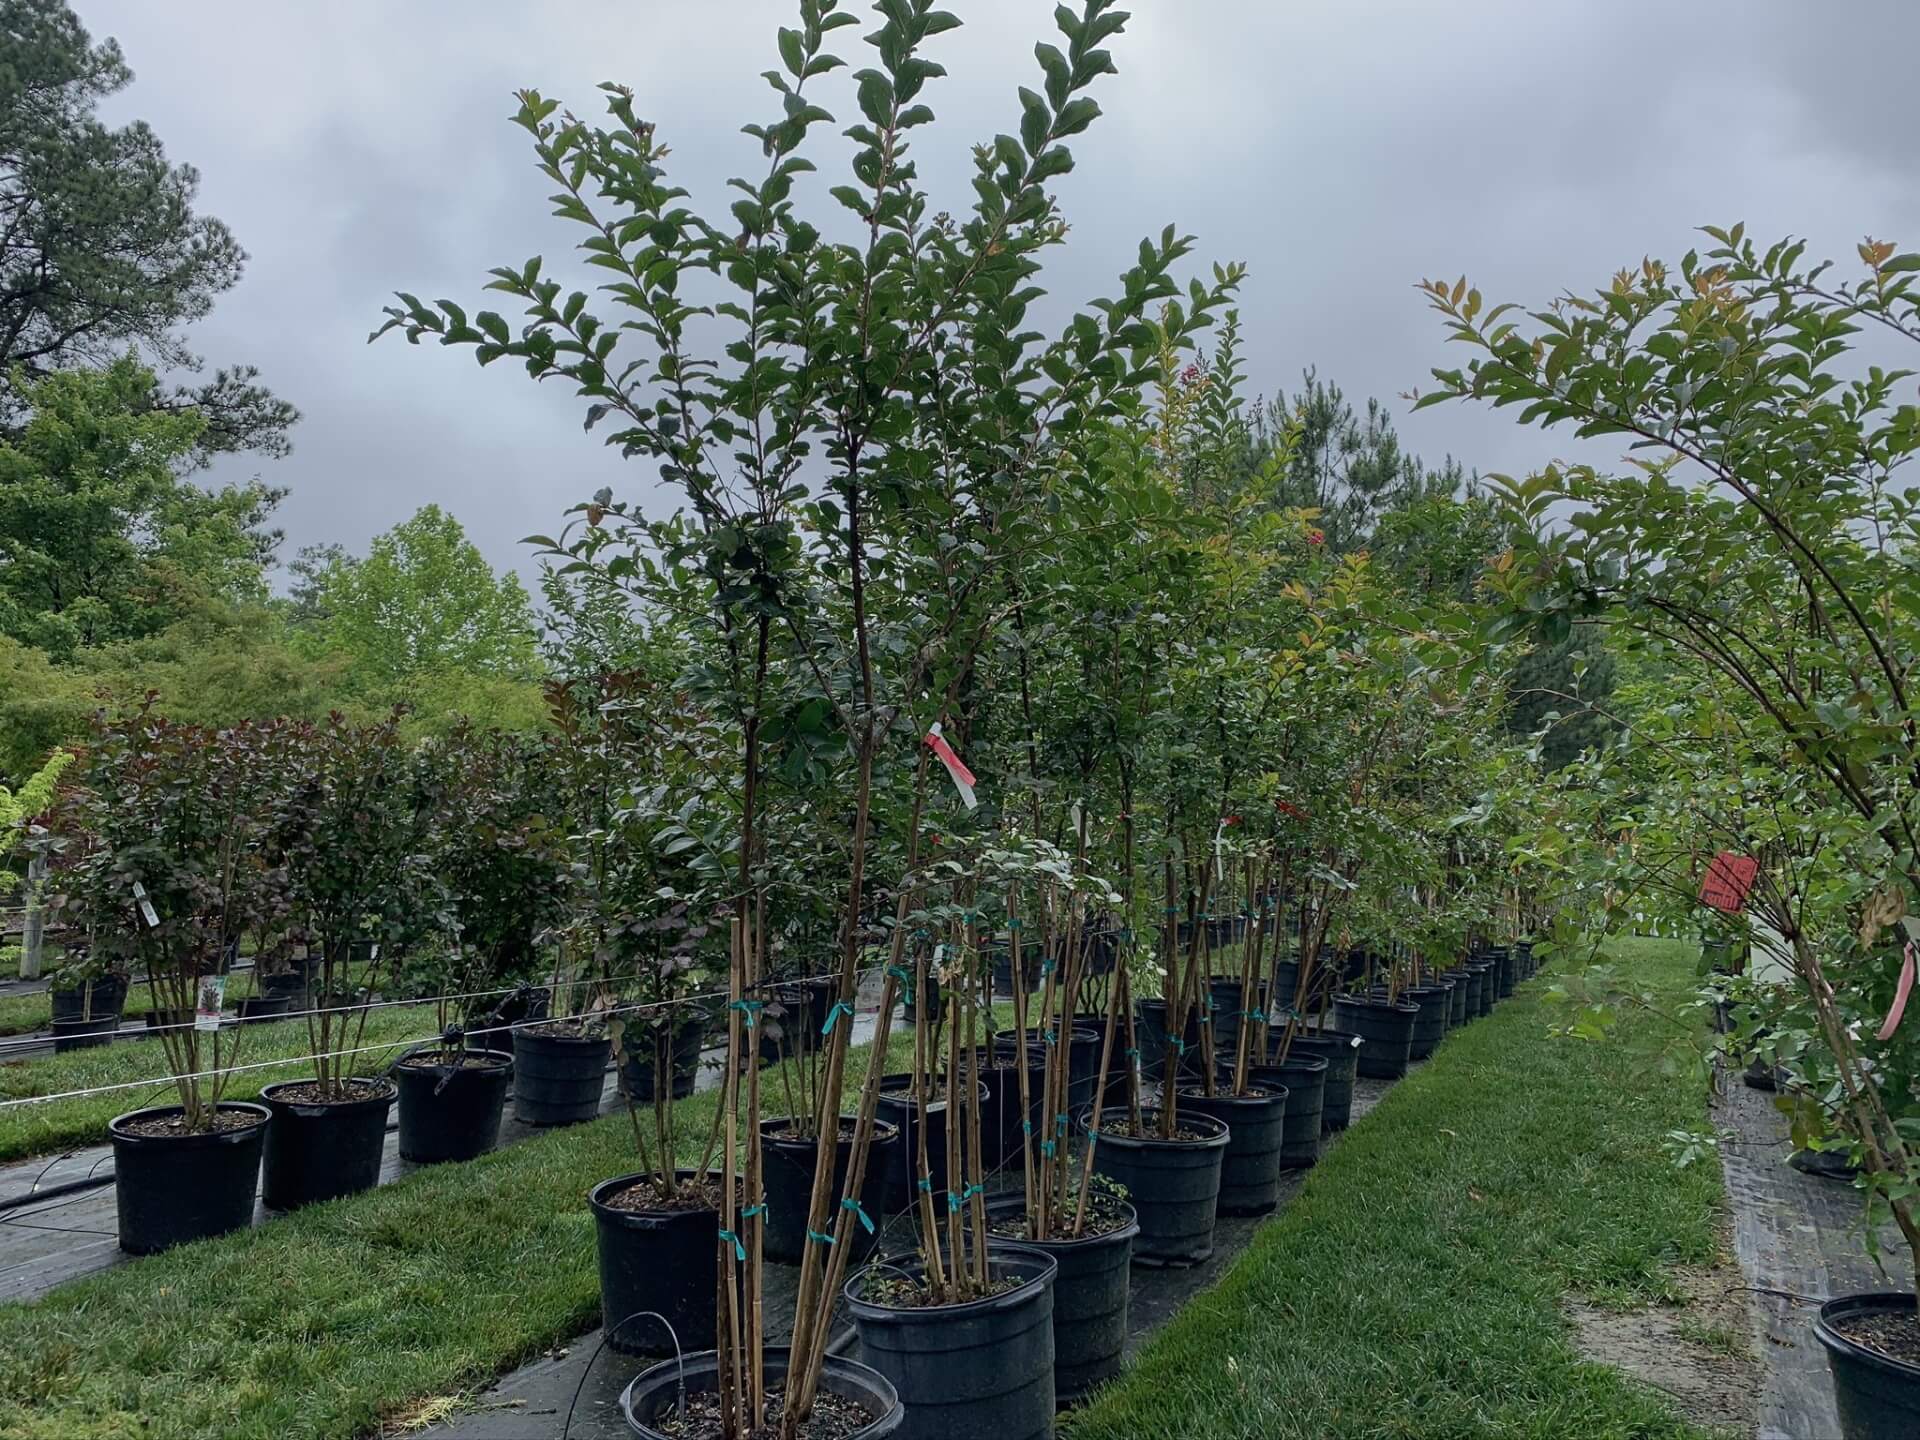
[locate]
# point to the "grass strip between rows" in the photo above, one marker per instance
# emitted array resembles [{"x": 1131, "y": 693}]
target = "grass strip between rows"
[
  {"x": 30, "y": 1130},
  {"x": 1413, "y": 1288}
]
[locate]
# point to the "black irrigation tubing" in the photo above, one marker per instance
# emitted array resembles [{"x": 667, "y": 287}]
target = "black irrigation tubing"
[{"x": 390, "y": 1045}]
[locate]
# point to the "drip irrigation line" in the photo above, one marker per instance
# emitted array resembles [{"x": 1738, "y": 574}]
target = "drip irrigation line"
[{"x": 162, "y": 1081}]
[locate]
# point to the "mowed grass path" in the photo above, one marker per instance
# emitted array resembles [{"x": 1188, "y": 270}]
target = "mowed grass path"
[{"x": 1412, "y": 1290}]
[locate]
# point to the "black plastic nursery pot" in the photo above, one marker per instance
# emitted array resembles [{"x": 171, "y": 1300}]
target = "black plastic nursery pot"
[
  {"x": 318, "y": 1150},
  {"x": 1385, "y": 1029},
  {"x": 84, "y": 1034},
  {"x": 683, "y": 1058},
  {"x": 1304, "y": 1078},
  {"x": 1251, "y": 1169},
  {"x": 1090, "y": 1294},
  {"x": 558, "y": 1079},
  {"x": 654, "y": 1396},
  {"x": 787, "y": 1162},
  {"x": 94, "y": 999},
  {"x": 1877, "y": 1396},
  {"x": 653, "y": 1260},
  {"x": 1503, "y": 969},
  {"x": 1341, "y": 1051},
  {"x": 1430, "y": 1025},
  {"x": 1001, "y": 1134},
  {"x": 1481, "y": 998},
  {"x": 1457, "y": 998},
  {"x": 1173, "y": 1185},
  {"x": 978, "y": 1371},
  {"x": 1523, "y": 954},
  {"x": 1083, "y": 1058},
  {"x": 174, "y": 1188},
  {"x": 896, "y": 1107},
  {"x": 1226, "y": 996},
  {"x": 1151, "y": 1037},
  {"x": 257, "y": 1008},
  {"x": 450, "y": 1103}
]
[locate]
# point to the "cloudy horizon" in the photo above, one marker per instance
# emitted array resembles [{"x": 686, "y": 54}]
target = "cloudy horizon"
[{"x": 1343, "y": 152}]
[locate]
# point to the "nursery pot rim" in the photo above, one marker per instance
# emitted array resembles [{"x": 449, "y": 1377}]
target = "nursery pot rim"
[
  {"x": 1266, "y": 1092},
  {"x": 239, "y": 1135},
  {"x": 1007, "y": 1205},
  {"x": 883, "y": 1130},
  {"x": 385, "y": 1092},
  {"x": 1859, "y": 1302},
  {"x": 1210, "y": 1142},
  {"x": 699, "y": 1364},
  {"x": 1354, "y": 1042},
  {"x": 420, "y": 1059},
  {"x": 1380, "y": 1002},
  {"x": 646, "y": 1219},
  {"x": 1021, "y": 1293}
]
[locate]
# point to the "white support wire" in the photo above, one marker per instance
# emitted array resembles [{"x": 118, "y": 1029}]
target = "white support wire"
[
  {"x": 14, "y": 1042},
  {"x": 308, "y": 1058}
]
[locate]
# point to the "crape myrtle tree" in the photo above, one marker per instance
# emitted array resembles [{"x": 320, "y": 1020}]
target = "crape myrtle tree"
[
  {"x": 1759, "y": 541},
  {"x": 829, "y": 409}
]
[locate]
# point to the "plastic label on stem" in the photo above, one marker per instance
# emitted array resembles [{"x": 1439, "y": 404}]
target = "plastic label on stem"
[
  {"x": 147, "y": 912},
  {"x": 212, "y": 998}
]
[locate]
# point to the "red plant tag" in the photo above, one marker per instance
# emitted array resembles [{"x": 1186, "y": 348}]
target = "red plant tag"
[
  {"x": 1728, "y": 880},
  {"x": 1900, "y": 994},
  {"x": 962, "y": 777}
]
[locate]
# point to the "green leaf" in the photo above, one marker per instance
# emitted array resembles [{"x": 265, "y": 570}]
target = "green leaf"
[{"x": 1035, "y": 119}]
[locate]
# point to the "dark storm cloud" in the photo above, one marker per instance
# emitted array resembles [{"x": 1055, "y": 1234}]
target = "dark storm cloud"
[{"x": 1344, "y": 150}]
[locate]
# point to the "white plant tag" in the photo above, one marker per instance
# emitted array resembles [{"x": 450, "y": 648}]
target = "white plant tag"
[
  {"x": 147, "y": 912},
  {"x": 374, "y": 954},
  {"x": 213, "y": 998}
]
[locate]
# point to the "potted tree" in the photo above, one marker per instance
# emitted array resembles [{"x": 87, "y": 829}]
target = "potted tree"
[
  {"x": 357, "y": 846},
  {"x": 176, "y": 865},
  {"x": 500, "y": 852}
]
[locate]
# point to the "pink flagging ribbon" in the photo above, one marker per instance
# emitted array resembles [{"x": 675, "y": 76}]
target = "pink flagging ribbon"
[
  {"x": 963, "y": 780},
  {"x": 1900, "y": 994}
]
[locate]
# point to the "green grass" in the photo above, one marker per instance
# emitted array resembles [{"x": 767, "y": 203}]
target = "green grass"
[
  {"x": 62, "y": 1124},
  {"x": 23, "y": 1014},
  {"x": 1412, "y": 1290},
  {"x": 325, "y": 1323}
]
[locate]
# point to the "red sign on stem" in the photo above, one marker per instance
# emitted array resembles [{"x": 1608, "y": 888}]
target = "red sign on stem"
[{"x": 1728, "y": 880}]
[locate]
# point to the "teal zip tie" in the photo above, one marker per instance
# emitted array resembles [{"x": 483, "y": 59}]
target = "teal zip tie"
[
  {"x": 850, "y": 1203},
  {"x": 1049, "y": 1037},
  {"x": 1175, "y": 1041},
  {"x": 899, "y": 973},
  {"x": 1047, "y": 1148},
  {"x": 971, "y": 1191},
  {"x": 1046, "y": 967},
  {"x": 840, "y": 1007},
  {"x": 739, "y": 1250},
  {"x": 926, "y": 1185},
  {"x": 953, "y": 1203},
  {"x": 749, "y": 1008},
  {"x": 1130, "y": 1053},
  {"x": 1257, "y": 1015},
  {"x": 753, "y": 1210},
  {"x": 1013, "y": 922},
  {"x": 1060, "y": 1123},
  {"x": 817, "y": 1238},
  {"x": 1027, "y": 1125}
]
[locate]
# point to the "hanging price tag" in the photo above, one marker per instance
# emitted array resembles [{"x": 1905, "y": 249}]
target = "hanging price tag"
[
  {"x": 147, "y": 912},
  {"x": 213, "y": 997}
]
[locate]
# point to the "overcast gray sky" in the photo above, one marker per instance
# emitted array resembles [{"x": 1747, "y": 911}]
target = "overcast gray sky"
[{"x": 1343, "y": 150}]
